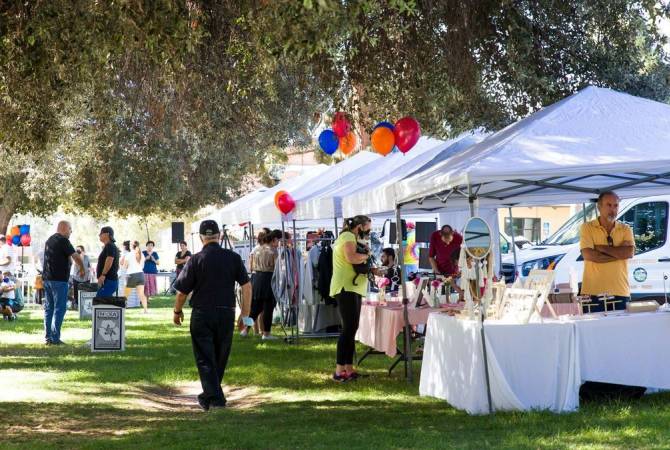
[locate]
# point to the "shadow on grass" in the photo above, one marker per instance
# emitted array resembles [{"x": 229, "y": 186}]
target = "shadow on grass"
[{"x": 378, "y": 423}]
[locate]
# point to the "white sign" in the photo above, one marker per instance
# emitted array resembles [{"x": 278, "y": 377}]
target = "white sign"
[
  {"x": 86, "y": 305},
  {"x": 108, "y": 328}
]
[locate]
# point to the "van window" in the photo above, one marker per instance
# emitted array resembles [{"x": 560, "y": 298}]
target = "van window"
[
  {"x": 569, "y": 232},
  {"x": 649, "y": 222},
  {"x": 504, "y": 244}
]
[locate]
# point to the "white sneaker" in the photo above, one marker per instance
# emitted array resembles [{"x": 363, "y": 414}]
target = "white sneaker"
[
  {"x": 269, "y": 337},
  {"x": 244, "y": 333}
]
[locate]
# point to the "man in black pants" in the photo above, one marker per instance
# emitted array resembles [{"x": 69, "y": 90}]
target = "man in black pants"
[{"x": 211, "y": 275}]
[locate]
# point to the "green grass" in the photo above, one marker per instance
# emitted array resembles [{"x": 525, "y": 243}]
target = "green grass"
[{"x": 66, "y": 397}]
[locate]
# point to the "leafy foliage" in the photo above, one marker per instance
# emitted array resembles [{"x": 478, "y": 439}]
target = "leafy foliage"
[{"x": 162, "y": 106}]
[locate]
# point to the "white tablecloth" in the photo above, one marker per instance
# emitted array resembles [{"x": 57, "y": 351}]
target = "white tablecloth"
[
  {"x": 541, "y": 366},
  {"x": 530, "y": 366},
  {"x": 631, "y": 349}
]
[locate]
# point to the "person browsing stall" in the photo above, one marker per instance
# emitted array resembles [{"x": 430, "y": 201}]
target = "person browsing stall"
[
  {"x": 211, "y": 275},
  {"x": 347, "y": 293},
  {"x": 606, "y": 245},
  {"x": 108, "y": 264},
  {"x": 389, "y": 268},
  {"x": 443, "y": 244}
]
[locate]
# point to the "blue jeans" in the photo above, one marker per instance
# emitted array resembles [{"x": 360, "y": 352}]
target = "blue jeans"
[
  {"x": 55, "y": 306},
  {"x": 108, "y": 289}
]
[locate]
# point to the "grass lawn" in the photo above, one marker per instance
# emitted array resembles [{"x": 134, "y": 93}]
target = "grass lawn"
[{"x": 280, "y": 396}]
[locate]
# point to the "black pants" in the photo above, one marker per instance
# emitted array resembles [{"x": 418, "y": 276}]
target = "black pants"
[
  {"x": 349, "y": 304},
  {"x": 212, "y": 337},
  {"x": 621, "y": 305}
]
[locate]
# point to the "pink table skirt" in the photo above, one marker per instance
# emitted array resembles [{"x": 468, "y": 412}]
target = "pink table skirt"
[
  {"x": 379, "y": 326},
  {"x": 561, "y": 309}
]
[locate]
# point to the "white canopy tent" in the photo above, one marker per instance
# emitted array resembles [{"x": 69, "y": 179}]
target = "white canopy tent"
[
  {"x": 220, "y": 215},
  {"x": 338, "y": 175},
  {"x": 595, "y": 140},
  {"x": 243, "y": 212},
  {"x": 380, "y": 197},
  {"x": 389, "y": 169}
]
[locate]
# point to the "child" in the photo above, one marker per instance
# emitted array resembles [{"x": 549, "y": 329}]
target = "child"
[{"x": 7, "y": 296}]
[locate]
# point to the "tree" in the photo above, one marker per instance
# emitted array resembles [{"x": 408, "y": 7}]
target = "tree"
[{"x": 163, "y": 106}]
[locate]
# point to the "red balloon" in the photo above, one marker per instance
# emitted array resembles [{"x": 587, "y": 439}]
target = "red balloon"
[
  {"x": 9, "y": 239},
  {"x": 285, "y": 203},
  {"x": 407, "y": 132},
  {"x": 341, "y": 125},
  {"x": 25, "y": 240}
]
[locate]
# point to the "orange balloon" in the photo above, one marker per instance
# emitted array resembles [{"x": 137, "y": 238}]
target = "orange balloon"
[
  {"x": 382, "y": 140},
  {"x": 277, "y": 195},
  {"x": 15, "y": 231},
  {"x": 348, "y": 143}
]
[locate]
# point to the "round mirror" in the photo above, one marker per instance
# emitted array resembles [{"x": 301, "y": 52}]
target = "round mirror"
[{"x": 477, "y": 238}]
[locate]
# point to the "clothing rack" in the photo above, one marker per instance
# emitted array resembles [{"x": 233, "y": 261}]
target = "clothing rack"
[{"x": 291, "y": 313}]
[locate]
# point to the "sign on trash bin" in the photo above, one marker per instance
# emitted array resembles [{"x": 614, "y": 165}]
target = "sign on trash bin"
[
  {"x": 108, "y": 329},
  {"x": 86, "y": 305}
]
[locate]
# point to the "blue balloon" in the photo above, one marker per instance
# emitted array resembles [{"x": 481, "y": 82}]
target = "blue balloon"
[
  {"x": 16, "y": 240},
  {"x": 328, "y": 141},
  {"x": 388, "y": 125},
  {"x": 24, "y": 229}
]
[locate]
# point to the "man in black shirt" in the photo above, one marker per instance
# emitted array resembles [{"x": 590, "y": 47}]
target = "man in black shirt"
[
  {"x": 108, "y": 264},
  {"x": 211, "y": 275},
  {"x": 55, "y": 272}
]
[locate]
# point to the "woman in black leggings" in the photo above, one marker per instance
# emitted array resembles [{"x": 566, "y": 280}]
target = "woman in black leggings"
[{"x": 348, "y": 290}]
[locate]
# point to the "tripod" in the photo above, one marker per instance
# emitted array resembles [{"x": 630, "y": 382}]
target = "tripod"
[{"x": 225, "y": 240}]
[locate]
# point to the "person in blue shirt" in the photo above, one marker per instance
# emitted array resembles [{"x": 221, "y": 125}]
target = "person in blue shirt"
[{"x": 150, "y": 269}]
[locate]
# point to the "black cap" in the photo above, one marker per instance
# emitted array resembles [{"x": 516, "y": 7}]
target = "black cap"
[
  {"x": 110, "y": 231},
  {"x": 209, "y": 228}
]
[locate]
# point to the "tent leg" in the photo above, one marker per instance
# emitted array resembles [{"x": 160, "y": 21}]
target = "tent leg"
[
  {"x": 511, "y": 226},
  {"x": 285, "y": 257},
  {"x": 481, "y": 309},
  {"x": 337, "y": 232},
  {"x": 407, "y": 342},
  {"x": 297, "y": 300},
  {"x": 584, "y": 211}
]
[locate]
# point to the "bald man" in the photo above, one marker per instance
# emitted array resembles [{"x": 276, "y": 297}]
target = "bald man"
[{"x": 58, "y": 252}]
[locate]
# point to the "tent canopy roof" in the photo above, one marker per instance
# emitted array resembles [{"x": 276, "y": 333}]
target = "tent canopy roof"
[{"x": 592, "y": 141}]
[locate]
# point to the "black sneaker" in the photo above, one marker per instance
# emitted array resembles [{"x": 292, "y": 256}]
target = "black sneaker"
[
  {"x": 48, "y": 342},
  {"x": 203, "y": 404},
  {"x": 217, "y": 406},
  {"x": 341, "y": 378},
  {"x": 58, "y": 342}
]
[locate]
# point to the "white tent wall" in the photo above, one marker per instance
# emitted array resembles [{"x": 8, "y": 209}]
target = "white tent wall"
[
  {"x": 341, "y": 174},
  {"x": 382, "y": 197},
  {"x": 383, "y": 170},
  {"x": 244, "y": 213}
]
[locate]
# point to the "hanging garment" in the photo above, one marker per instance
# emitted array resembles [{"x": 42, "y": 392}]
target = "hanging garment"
[{"x": 326, "y": 273}]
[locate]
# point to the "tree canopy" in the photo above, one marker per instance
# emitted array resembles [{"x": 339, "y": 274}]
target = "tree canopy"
[{"x": 162, "y": 106}]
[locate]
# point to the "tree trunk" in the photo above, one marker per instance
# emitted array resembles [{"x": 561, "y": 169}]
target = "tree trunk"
[{"x": 5, "y": 217}]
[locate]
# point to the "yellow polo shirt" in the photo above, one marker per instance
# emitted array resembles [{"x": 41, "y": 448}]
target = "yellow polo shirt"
[{"x": 611, "y": 277}]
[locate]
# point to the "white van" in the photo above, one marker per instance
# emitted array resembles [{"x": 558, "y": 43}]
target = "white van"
[{"x": 647, "y": 216}]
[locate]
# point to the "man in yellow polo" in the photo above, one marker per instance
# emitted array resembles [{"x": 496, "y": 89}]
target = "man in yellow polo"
[{"x": 606, "y": 246}]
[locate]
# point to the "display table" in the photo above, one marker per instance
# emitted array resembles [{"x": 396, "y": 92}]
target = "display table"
[
  {"x": 541, "y": 366},
  {"x": 379, "y": 326}
]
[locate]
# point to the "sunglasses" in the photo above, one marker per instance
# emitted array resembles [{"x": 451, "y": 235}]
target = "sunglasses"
[{"x": 610, "y": 241}]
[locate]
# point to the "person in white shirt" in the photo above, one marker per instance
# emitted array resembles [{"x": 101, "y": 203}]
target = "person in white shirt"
[
  {"x": 6, "y": 256},
  {"x": 7, "y": 294},
  {"x": 135, "y": 274}
]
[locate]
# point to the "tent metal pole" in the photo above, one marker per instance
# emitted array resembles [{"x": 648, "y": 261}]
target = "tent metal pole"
[
  {"x": 337, "y": 232},
  {"x": 511, "y": 226},
  {"x": 584, "y": 211},
  {"x": 297, "y": 300},
  {"x": 471, "y": 200},
  {"x": 407, "y": 350}
]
